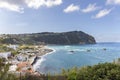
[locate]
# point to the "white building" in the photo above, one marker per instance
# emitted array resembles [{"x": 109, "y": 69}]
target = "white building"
[
  {"x": 5, "y": 55},
  {"x": 13, "y": 46}
]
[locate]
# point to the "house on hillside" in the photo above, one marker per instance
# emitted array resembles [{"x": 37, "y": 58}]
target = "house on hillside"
[
  {"x": 5, "y": 55},
  {"x": 13, "y": 46}
]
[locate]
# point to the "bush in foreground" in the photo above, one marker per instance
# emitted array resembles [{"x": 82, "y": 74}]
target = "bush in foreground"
[
  {"x": 103, "y": 71},
  {"x": 4, "y": 75}
]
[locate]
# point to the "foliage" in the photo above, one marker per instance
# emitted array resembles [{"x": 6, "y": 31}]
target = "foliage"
[
  {"x": 4, "y": 75},
  {"x": 4, "y": 48},
  {"x": 14, "y": 52},
  {"x": 104, "y": 71},
  {"x": 26, "y": 47},
  {"x": 72, "y": 37}
]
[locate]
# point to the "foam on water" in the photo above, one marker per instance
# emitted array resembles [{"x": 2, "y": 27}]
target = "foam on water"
[{"x": 38, "y": 63}]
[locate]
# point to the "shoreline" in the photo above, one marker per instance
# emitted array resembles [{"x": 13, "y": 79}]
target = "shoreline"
[
  {"x": 33, "y": 58},
  {"x": 39, "y": 59},
  {"x": 39, "y": 62}
]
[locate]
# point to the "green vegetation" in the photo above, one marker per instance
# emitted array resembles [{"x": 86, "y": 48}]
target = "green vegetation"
[
  {"x": 103, "y": 71},
  {"x": 4, "y": 48},
  {"x": 72, "y": 37},
  {"x": 14, "y": 52},
  {"x": 4, "y": 75},
  {"x": 26, "y": 47}
]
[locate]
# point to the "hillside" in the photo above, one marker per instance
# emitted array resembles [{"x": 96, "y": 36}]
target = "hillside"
[{"x": 73, "y": 37}]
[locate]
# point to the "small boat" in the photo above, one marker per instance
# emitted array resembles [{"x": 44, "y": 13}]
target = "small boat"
[
  {"x": 71, "y": 51},
  {"x": 88, "y": 50},
  {"x": 104, "y": 49}
]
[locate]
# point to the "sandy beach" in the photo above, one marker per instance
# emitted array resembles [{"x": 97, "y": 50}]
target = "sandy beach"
[{"x": 31, "y": 57}]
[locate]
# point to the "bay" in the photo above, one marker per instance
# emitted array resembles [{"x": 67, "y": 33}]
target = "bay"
[{"x": 68, "y": 56}]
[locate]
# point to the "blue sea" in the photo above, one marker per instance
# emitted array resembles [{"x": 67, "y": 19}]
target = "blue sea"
[{"x": 68, "y": 56}]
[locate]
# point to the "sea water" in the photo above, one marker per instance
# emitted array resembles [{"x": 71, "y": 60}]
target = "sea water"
[{"x": 68, "y": 56}]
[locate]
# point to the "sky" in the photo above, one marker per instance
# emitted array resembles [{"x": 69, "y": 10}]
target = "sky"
[{"x": 99, "y": 18}]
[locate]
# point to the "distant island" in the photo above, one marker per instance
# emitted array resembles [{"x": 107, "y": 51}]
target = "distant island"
[{"x": 63, "y": 38}]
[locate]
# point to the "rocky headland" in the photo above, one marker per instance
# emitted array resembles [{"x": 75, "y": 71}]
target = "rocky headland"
[{"x": 63, "y": 38}]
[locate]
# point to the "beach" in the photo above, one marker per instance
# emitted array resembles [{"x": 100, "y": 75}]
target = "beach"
[{"x": 26, "y": 60}]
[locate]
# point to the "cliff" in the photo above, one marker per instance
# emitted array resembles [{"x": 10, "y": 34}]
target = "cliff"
[{"x": 73, "y": 37}]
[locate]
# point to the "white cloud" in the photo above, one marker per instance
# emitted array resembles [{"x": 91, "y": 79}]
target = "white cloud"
[
  {"x": 19, "y": 5},
  {"x": 38, "y": 3},
  {"x": 103, "y": 13},
  {"x": 90, "y": 8},
  {"x": 11, "y": 7},
  {"x": 71, "y": 8},
  {"x": 50, "y": 3},
  {"x": 113, "y": 2}
]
